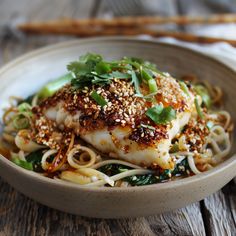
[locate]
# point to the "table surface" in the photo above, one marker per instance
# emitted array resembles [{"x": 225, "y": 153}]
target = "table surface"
[{"x": 19, "y": 215}]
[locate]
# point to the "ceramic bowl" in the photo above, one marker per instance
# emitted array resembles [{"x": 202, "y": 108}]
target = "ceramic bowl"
[{"x": 28, "y": 73}]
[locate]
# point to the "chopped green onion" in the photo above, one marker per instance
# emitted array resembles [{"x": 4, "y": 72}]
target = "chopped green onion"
[
  {"x": 152, "y": 84},
  {"x": 98, "y": 98},
  {"x": 50, "y": 88},
  {"x": 24, "y": 164},
  {"x": 198, "y": 108},
  {"x": 21, "y": 122},
  {"x": 203, "y": 93},
  {"x": 184, "y": 87},
  {"x": 160, "y": 114},
  {"x": 145, "y": 75},
  {"x": 24, "y": 107}
]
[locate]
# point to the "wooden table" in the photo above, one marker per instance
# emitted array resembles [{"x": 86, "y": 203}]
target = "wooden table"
[{"x": 215, "y": 215}]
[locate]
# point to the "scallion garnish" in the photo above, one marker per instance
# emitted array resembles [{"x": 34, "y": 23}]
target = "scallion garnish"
[
  {"x": 50, "y": 88},
  {"x": 198, "y": 108},
  {"x": 24, "y": 107},
  {"x": 184, "y": 87},
  {"x": 160, "y": 114},
  {"x": 203, "y": 93},
  {"x": 21, "y": 122},
  {"x": 152, "y": 84},
  {"x": 98, "y": 98},
  {"x": 144, "y": 74}
]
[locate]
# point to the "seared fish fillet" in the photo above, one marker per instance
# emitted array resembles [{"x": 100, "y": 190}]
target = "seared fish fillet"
[{"x": 121, "y": 128}]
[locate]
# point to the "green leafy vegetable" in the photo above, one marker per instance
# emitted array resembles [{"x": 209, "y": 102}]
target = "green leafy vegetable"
[
  {"x": 102, "y": 67},
  {"x": 98, "y": 98},
  {"x": 24, "y": 164},
  {"x": 181, "y": 169},
  {"x": 202, "y": 91},
  {"x": 92, "y": 69},
  {"x": 198, "y": 108},
  {"x": 35, "y": 159},
  {"x": 160, "y": 114},
  {"x": 50, "y": 88},
  {"x": 140, "y": 180},
  {"x": 113, "y": 169}
]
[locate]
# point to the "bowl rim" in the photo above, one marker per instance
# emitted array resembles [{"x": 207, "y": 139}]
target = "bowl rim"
[{"x": 230, "y": 162}]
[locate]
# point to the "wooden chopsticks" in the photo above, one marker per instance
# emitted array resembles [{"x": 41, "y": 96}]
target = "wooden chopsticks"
[
  {"x": 136, "y": 21},
  {"x": 129, "y": 26}
]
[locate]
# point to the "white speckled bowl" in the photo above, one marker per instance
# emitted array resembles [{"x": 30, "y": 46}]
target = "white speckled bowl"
[{"x": 26, "y": 74}]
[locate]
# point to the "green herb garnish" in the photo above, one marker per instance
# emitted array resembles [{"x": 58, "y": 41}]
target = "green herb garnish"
[
  {"x": 98, "y": 98},
  {"x": 136, "y": 82},
  {"x": 198, "y": 108},
  {"x": 21, "y": 122},
  {"x": 50, "y": 88},
  {"x": 24, "y": 107},
  {"x": 184, "y": 87},
  {"x": 92, "y": 69},
  {"x": 160, "y": 114},
  {"x": 203, "y": 93},
  {"x": 152, "y": 84}
]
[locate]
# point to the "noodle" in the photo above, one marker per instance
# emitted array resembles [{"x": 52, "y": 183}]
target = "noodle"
[
  {"x": 107, "y": 162},
  {"x": 120, "y": 176},
  {"x": 79, "y": 164},
  {"x": 91, "y": 130},
  {"x": 192, "y": 165},
  {"x": 45, "y": 157}
]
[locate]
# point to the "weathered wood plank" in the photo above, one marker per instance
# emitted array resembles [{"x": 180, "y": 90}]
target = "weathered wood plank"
[
  {"x": 22, "y": 216},
  {"x": 32, "y": 218},
  {"x": 219, "y": 214}
]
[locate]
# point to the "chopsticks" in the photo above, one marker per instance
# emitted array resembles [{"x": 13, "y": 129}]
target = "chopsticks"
[
  {"x": 135, "y": 21},
  {"x": 128, "y": 26}
]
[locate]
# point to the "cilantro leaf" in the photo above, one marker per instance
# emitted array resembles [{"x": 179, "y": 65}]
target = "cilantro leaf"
[
  {"x": 120, "y": 75},
  {"x": 160, "y": 114},
  {"x": 136, "y": 82}
]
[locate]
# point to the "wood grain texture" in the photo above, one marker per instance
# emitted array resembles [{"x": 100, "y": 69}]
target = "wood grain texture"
[{"x": 21, "y": 216}]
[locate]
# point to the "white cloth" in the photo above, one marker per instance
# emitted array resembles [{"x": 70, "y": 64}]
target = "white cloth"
[{"x": 221, "y": 51}]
